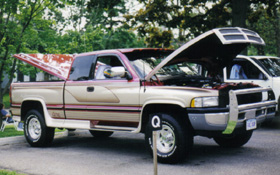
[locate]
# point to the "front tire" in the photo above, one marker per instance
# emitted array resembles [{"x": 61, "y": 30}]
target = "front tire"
[
  {"x": 234, "y": 141},
  {"x": 174, "y": 141},
  {"x": 36, "y": 132}
]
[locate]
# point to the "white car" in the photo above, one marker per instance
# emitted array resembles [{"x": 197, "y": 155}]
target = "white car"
[{"x": 260, "y": 70}]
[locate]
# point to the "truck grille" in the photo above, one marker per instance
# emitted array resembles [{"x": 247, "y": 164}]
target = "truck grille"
[{"x": 242, "y": 98}]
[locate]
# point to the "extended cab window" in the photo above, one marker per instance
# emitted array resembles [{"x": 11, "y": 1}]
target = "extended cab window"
[{"x": 82, "y": 68}]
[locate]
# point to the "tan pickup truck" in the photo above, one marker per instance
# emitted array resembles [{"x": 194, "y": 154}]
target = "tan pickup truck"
[{"x": 120, "y": 90}]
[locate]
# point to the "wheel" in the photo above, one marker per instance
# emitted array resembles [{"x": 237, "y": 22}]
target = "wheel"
[
  {"x": 234, "y": 141},
  {"x": 101, "y": 134},
  {"x": 36, "y": 132},
  {"x": 174, "y": 140}
]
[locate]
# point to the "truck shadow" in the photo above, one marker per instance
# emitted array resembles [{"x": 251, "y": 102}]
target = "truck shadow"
[
  {"x": 133, "y": 145},
  {"x": 274, "y": 124},
  {"x": 124, "y": 144}
]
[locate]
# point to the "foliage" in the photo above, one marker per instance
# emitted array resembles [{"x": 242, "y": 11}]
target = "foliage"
[
  {"x": 265, "y": 19},
  {"x": 186, "y": 19},
  {"x": 95, "y": 39},
  {"x": 6, "y": 101},
  {"x": 18, "y": 18},
  {"x": 154, "y": 22},
  {"x": 105, "y": 13},
  {"x": 30, "y": 26},
  {"x": 6, "y": 172},
  {"x": 10, "y": 132}
]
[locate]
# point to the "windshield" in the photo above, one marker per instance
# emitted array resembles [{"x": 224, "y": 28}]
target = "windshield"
[
  {"x": 272, "y": 65},
  {"x": 145, "y": 66}
]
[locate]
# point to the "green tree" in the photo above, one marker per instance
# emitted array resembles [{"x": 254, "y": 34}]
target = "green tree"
[
  {"x": 265, "y": 19},
  {"x": 99, "y": 38},
  {"x": 105, "y": 13},
  {"x": 186, "y": 19},
  {"x": 16, "y": 20},
  {"x": 155, "y": 21}
]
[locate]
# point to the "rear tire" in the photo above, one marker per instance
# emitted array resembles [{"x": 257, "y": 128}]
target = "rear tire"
[
  {"x": 174, "y": 141},
  {"x": 234, "y": 141},
  {"x": 100, "y": 134},
  {"x": 36, "y": 132}
]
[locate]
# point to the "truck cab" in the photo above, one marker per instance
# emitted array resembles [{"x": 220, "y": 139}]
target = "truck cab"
[{"x": 261, "y": 70}]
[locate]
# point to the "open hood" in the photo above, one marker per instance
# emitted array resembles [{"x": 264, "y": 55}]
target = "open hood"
[
  {"x": 55, "y": 64},
  {"x": 221, "y": 45}
]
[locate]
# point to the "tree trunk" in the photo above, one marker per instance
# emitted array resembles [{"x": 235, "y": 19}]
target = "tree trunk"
[
  {"x": 239, "y": 15},
  {"x": 239, "y": 12}
]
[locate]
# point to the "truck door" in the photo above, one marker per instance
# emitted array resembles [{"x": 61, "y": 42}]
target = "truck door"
[
  {"x": 246, "y": 70},
  {"x": 91, "y": 93}
]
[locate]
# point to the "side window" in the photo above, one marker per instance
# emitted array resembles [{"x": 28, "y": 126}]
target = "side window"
[
  {"x": 243, "y": 69},
  {"x": 82, "y": 68},
  {"x": 109, "y": 67}
]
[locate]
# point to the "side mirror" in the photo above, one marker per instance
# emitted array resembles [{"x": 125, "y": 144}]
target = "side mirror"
[{"x": 117, "y": 71}]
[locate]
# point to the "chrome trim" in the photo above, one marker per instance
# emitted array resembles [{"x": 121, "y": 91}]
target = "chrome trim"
[
  {"x": 235, "y": 109},
  {"x": 114, "y": 128}
]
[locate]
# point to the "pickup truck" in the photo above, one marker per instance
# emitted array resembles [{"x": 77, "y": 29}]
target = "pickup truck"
[
  {"x": 122, "y": 89},
  {"x": 261, "y": 70}
]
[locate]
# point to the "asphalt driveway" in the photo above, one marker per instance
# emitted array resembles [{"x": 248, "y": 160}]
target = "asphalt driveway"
[{"x": 125, "y": 154}]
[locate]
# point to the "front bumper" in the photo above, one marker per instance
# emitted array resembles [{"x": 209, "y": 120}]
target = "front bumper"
[{"x": 234, "y": 116}]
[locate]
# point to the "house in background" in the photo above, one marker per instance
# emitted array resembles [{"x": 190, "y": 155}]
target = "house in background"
[{"x": 19, "y": 77}]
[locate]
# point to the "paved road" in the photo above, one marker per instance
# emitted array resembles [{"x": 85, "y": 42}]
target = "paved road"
[{"x": 125, "y": 154}]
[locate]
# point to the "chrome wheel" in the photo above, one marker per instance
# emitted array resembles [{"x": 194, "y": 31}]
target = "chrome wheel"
[
  {"x": 34, "y": 128},
  {"x": 174, "y": 141},
  {"x": 36, "y": 132},
  {"x": 165, "y": 139}
]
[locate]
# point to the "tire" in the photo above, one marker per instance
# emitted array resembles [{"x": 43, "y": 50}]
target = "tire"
[
  {"x": 101, "y": 134},
  {"x": 36, "y": 132},
  {"x": 234, "y": 141},
  {"x": 174, "y": 141}
]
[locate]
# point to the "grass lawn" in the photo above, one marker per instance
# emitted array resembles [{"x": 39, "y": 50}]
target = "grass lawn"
[
  {"x": 6, "y": 172},
  {"x": 6, "y": 101},
  {"x": 10, "y": 132}
]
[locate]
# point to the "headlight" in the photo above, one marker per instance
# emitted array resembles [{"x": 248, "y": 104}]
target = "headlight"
[{"x": 200, "y": 102}]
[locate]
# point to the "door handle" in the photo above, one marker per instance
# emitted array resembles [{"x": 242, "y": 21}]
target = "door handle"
[{"x": 90, "y": 89}]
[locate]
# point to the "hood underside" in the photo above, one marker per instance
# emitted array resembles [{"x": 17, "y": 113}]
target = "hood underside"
[
  {"x": 54, "y": 64},
  {"x": 218, "y": 45}
]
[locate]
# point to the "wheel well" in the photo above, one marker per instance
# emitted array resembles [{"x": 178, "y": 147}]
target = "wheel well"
[
  {"x": 29, "y": 105},
  {"x": 180, "y": 113}
]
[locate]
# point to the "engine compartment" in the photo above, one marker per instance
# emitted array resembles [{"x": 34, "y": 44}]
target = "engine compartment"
[{"x": 215, "y": 83}]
